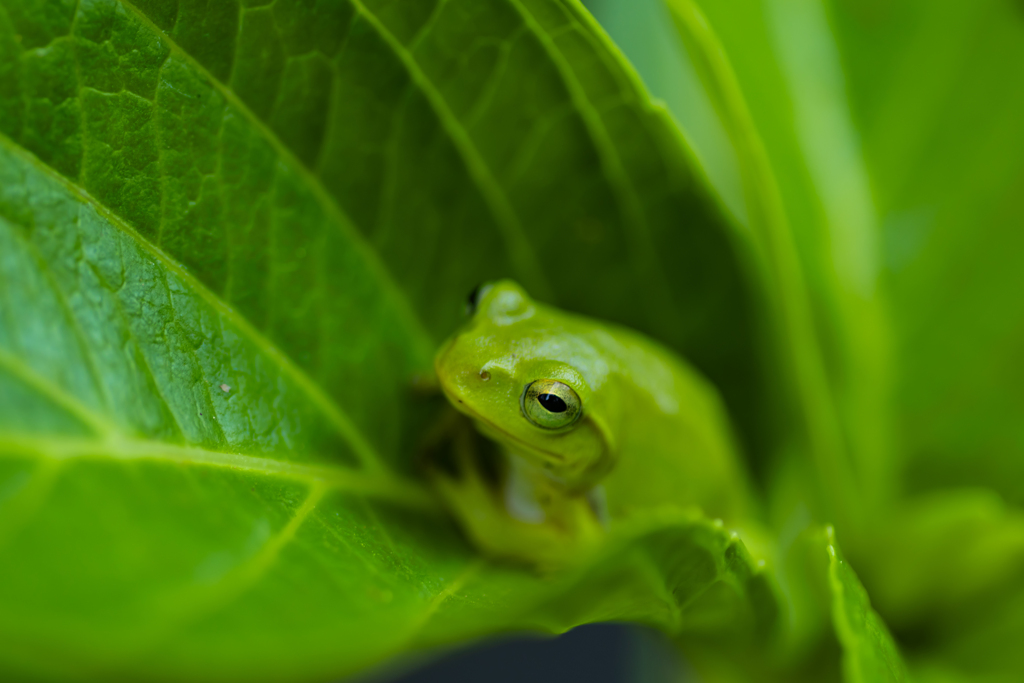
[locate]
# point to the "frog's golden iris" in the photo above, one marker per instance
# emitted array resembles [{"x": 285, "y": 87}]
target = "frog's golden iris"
[{"x": 550, "y": 404}]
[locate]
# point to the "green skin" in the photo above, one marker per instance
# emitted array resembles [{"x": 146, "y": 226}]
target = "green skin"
[{"x": 651, "y": 433}]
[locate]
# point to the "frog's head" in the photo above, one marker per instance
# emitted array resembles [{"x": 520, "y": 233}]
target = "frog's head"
[{"x": 526, "y": 375}]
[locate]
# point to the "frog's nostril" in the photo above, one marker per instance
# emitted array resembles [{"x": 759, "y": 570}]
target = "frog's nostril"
[{"x": 484, "y": 375}]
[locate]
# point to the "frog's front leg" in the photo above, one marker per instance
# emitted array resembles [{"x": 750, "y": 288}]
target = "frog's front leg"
[{"x": 549, "y": 531}]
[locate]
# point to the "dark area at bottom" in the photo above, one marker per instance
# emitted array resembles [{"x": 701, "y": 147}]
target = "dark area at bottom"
[{"x": 598, "y": 653}]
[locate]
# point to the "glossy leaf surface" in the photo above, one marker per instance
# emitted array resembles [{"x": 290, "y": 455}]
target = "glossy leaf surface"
[{"x": 230, "y": 238}]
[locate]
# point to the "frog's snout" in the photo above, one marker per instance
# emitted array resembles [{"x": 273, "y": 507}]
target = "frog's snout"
[{"x": 456, "y": 378}]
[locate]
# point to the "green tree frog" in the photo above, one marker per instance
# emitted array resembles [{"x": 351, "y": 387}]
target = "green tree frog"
[{"x": 594, "y": 422}]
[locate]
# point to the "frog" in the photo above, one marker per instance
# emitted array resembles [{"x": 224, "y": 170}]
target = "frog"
[{"x": 593, "y": 423}]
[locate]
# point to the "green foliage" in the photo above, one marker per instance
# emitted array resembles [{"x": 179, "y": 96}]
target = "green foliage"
[
  {"x": 886, "y": 130},
  {"x": 232, "y": 234},
  {"x": 229, "y": 242},
  {"x": 869, "y": 653}
]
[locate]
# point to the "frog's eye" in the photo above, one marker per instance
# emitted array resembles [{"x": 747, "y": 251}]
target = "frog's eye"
[
  {"x": 473, "y": 300},
  {"x": 550, "y": 404}
]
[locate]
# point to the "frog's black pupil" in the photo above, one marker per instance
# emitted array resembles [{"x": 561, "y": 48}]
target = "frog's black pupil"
[{"x": 552, "y": 403}]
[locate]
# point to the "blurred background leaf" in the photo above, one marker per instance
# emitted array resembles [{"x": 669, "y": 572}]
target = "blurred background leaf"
[
  {"x": 930, "y": 86},
  {"x": 888, "y": 126},
  {"x": 776, "y": 66}
]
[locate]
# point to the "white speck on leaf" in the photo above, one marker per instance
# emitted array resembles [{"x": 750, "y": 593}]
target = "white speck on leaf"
[{"x": 225, "y": 388}]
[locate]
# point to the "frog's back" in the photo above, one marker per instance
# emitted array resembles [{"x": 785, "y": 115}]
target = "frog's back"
[{"x": 673, "y": 436}]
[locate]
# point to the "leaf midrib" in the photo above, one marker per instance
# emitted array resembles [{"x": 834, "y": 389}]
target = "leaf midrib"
[
  {"x": 108, "y": 441},
  {"x": 374, "y": 485}
]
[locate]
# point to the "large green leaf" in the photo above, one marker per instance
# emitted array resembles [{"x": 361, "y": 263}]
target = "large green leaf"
[
  {"x": 464, "y": 141},
  {"x": 230, "y": 238}
]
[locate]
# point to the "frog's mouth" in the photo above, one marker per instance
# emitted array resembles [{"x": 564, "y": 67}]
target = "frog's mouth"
[{"x": 527, "y": 447}]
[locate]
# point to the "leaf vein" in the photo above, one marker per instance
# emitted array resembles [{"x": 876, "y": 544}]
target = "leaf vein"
[
  {"x": 490, "y": 90},
  {"x": 420, "y": 625},
  {"x": 197, "y": 367},
  {"x": 645, "y": 262},
  {"x": 191, "y": 606},
  {"x": 75, "y": 324},
  {"x": 147, "y": 366},
  {"x": 332, "y": 104},
  {"x": 97, "y": 423},
  {"x": 523, "y": 256},
  {"x": 28, "y": 503},
  {"x": 374, "y": 569},
  {"x": 390, "y": 184},
  {"x": 428, "y": 25}
]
